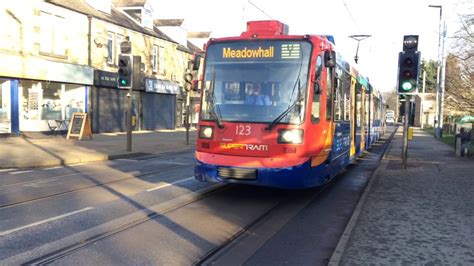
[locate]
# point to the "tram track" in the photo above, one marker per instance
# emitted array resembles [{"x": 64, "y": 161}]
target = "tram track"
[
  {"x": 53, "y": 256},
  {"x": 208, "y": 257},
  {"x": 211, "y": 257},
  {"x": 145, "y": 176},
  {"x": 140, "y": 159}
]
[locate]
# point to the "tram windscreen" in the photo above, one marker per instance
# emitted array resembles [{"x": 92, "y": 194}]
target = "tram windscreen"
[{"x": 256, "y": 81}]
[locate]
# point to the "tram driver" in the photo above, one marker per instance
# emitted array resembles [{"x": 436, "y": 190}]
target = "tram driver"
[{"x": 254, "y": 96}]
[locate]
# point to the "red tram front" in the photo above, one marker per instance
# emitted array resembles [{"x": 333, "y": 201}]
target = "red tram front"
[{"x": 263, "y": 117}]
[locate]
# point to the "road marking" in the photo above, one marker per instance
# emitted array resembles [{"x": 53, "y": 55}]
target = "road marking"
[
  {"x": 169, "y": 184},
  {"x": 126, "y": 160},
  {"x": 77, "y": 164},
  {"x": 52, "y": 168},
  {"x": 4, "y": 233},
  {"x": 21, "y": 172},
  {"x": 176, "y": 163},
  {"x": 7, "y": 170}
]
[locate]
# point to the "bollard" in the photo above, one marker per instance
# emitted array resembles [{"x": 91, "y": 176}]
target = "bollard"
[
  {"x": 410, "y": 133},
  {"x": 458, "y": 145}
]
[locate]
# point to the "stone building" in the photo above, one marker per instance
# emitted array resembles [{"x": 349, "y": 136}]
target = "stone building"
[{"x": 60, "y": 56}]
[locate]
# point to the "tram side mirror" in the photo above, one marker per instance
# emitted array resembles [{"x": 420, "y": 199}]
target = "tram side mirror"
[{"x": 329, "y": 59}]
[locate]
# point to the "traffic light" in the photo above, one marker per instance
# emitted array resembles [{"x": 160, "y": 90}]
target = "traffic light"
[
  {"x": 408, "y": 64},
  {"x": 125, "y": 71}
]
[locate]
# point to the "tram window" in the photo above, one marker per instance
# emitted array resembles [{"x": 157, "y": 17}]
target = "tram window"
[
  {"x": 366, "y": 118},
  {"x": 315, "y": 108},
  {"x": 319, "y": 68},
  {"x": 232, "y": 91},
  {"x": 329, "y": 89},
  {"x": 346, "y": 88},
  {"x": 358, "y": 108},
  {"x": 338, "y": 99},
  {"x": 316, "y": 103}
]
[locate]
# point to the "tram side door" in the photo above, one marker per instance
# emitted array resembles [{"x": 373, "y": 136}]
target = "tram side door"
[{"x": 353, "y": 125}]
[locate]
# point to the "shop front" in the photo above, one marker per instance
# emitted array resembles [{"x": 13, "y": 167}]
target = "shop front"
[
  {"x": 110, "y": 105},
  {"x": 33, "y": 98},
  {"x": 43, "y": 103},
  {"x": 159, "y": 104}
]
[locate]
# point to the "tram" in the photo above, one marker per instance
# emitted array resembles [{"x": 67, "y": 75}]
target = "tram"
[{"x": 281, "y": 110}]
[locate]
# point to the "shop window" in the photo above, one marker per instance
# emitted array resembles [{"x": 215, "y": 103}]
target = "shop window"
[
  {"x": 53, "y": 39},
  {"x": 110, "y": 47},
  {"x": 50, "y": 100},
  {"x": 5, "y": 115}
]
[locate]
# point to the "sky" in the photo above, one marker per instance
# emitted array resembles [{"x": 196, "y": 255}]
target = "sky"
[{"x": 387, "y": 21}]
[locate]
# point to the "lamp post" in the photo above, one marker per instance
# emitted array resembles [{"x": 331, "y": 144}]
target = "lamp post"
[
  {"x": 439, "y": 78},
  {"x": 358, "y": 38}
]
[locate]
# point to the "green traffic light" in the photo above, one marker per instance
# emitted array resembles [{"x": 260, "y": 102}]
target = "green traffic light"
[
  {"x": 407, "y": 86},
  {"x": 123, "y": 82}
]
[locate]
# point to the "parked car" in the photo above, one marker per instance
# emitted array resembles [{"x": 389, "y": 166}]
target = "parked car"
[{"x": 389, "y": 121}]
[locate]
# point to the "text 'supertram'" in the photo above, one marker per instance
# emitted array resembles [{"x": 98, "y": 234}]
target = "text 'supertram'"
[{"x": 281, "y": 110}]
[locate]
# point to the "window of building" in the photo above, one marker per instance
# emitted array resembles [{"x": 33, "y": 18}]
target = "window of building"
[
  {"x": 161, "y": 60},
  {"x": 118, "y": 50},
  {"x": 10, "y": 36},
  {"x": 52, "y": 37},
  {"x": 155, "y": 58},
  {"x": 110, "y": 47}
]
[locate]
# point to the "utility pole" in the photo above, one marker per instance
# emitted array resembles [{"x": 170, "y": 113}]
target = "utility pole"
[{"x": 439, "y": 115}]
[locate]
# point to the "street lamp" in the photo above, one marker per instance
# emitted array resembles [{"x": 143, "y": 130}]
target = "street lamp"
[
  {"x": 358, "y": 38},
  {"x": 439, "y": 77}
]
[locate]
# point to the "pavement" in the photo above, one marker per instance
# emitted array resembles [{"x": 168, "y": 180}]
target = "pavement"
[
  {"x": 421, "y": 215},
  {"x": 43, "y": 150}
]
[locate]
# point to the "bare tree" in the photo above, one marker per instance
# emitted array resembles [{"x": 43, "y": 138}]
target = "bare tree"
[{"x": 460, "y": 69}]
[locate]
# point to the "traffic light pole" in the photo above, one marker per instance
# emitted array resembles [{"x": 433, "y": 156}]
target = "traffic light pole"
[
  {"x": 126, "y": 81},
  {"x": 405, "y": 132},
  {"x": 129, "y": 120}
]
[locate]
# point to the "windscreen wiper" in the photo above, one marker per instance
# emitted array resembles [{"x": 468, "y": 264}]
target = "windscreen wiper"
[
  {"x": 213, "y": 107},
  {"x": 287, "y": 111}
]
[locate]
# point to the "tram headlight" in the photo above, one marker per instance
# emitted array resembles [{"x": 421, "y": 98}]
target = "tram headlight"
[
  {"x": 290, "y": 136},
  {"x": 206, "y": 132}
]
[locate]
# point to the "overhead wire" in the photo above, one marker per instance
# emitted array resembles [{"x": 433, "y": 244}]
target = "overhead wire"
[
  {"x": 261, "y": 10},
  {"x": 350, "y": 15}
]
